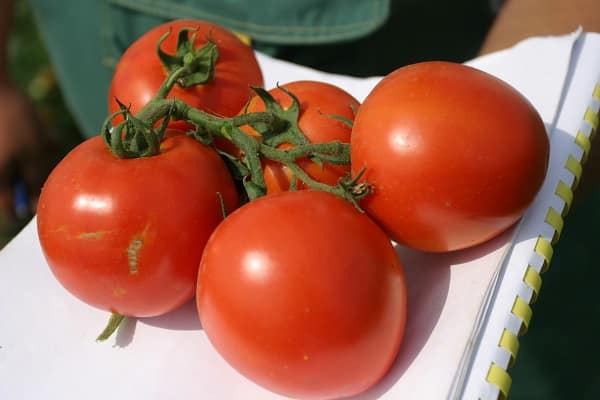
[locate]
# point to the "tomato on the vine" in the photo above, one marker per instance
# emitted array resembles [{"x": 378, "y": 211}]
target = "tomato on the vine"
[
  {"x": 321, "y": 104},
  {"x": 126, "y": 235},
  {"x": 139, "y": 72},
  {"x": 454, "y": 154},
  {"x": 303, "y": 294}
]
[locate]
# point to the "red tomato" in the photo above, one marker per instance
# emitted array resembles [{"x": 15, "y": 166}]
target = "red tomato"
[
  {"x": 126, "y": 235},
  {"x": 139, "y": 73},
  {"x": 318, "y": 101},
  {"x": 455, "y": 155},
  {"x": 313, "y": 305}
]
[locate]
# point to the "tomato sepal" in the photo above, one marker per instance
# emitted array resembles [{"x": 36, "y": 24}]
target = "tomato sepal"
[
  {"x": 140, "y": 138},
  {"x": 288, "y": 131},
  {"x": 200, "y": 63}
]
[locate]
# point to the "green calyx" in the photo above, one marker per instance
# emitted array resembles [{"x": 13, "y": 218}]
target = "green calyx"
[
  {"x": 136, "y": 137},
  {"x": 287, "y": 131},
  {"x": 198, "y": 63}
]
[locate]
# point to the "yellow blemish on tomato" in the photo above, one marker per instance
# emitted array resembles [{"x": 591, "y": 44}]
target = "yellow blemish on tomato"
[
  {"x": 132, "y": 254},
  {"x": 119, "y": 292},
  {"x": 305, "y": 357},
  {"x": 133, "y": 250},
  {"x": 62, "y": 228},
  {"x": 91, "y": 235}
]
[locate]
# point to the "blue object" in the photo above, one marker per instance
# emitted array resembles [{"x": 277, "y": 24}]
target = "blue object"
[{"x": 21, "y": 199}]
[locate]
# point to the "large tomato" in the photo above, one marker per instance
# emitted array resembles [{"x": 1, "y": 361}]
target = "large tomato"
[
  {"x": 312, "y": 304},
  {"x": 455, "y": 155},
  {"x": 139, "y": 73},
  {"x": 126, "y": 235},
  {"x": 319, "y": 101}
]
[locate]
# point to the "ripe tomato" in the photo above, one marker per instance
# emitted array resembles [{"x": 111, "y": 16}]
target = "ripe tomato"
[
  {"x": 126, "y": 235},
  {"x": 139, "y": 73},
  {"x": 318, "y": 102},
  {"x": 311, "y": 306},
  {"x": 455, "y": 155}
]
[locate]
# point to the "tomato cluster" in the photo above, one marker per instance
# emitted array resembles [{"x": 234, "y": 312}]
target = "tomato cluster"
[{"x": 278, "y": 210}]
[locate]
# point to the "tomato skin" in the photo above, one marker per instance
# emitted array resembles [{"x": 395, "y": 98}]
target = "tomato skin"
[
  {"x": 317, "y": 100},
  {"x": 311, "y": 306},
  {"x": 139, "y": 72},
  {"x": 126, "y": 235},
  {"x": 455, "y": 155}
]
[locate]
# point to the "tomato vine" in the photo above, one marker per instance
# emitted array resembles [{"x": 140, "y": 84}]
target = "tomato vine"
[{"x": 139, "y": 135}]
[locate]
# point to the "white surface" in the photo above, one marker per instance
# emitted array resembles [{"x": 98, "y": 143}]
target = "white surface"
[{"x": 47, "y": 347}]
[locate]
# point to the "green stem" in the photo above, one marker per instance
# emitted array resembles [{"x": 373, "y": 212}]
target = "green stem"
[
  {"x": 214, "y": 123},
  {"x": 158, "y": 108},
  {"x": 258, "y": 117},
  {"x": 256, "y": 186},
  {"x": 334, "y": 152},
  {"x": 113, "y": 323},
  {"x": 288, "y": 157},
  {"x": 168, "y": 84}
]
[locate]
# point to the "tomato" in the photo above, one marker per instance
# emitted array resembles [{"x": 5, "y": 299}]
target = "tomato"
[
  {"x": 126, "y": 235},
  {"x": 455, "y": 155},
  {"x": 303, "y": 294},
  {"x": 139, "y": 73},
  {"x": 319, "y": 101}
]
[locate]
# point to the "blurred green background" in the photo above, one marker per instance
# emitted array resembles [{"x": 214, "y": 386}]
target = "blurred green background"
[
  {"x": 29, "y": 66},
  {"x": 558, "y": 356}
]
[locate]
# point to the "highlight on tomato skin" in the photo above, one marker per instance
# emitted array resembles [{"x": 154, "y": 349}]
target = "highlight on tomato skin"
[
  {"x": 126, "y": 235},
  {"x": 321, "y": 106},
  {"x": 311, "y": 306},
  {"x": 455, "y": 155}
]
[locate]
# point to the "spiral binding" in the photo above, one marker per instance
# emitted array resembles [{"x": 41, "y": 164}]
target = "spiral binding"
[{"x": 497, "y": 375}]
